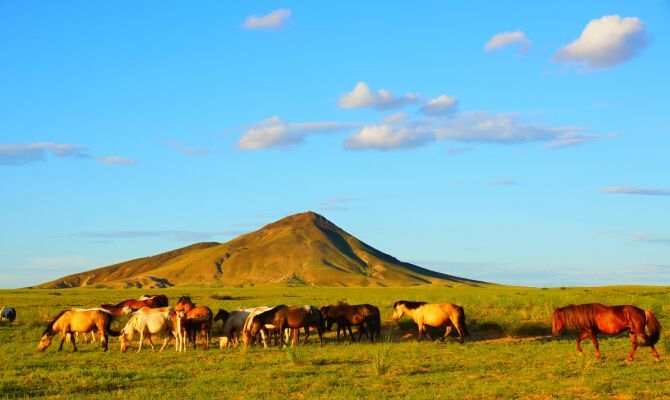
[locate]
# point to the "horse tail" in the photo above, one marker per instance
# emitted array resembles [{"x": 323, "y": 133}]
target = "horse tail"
[
  {"x": 461, "y": 322},
  {"x": 654, "y": 328},
  {"x": 108, "y": 327}
]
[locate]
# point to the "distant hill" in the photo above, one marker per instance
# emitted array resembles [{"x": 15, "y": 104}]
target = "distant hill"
[{"x": 301, "y": 249}]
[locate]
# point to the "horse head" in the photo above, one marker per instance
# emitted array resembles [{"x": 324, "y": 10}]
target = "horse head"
[
  {"x": 398, "y": 310},
  {"x": 222, "y": 315},
  {"x": 184, "y": 303},
  {"x": 557, "y": 322},
  {"x": 45, "y": 341}
]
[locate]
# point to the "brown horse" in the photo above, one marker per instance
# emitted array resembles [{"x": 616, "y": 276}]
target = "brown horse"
[
  {"x": 590, "y": 319},
  {"x": 132, "y": 303},
  {"x": 117, "y": 311},
  {"x": 155, "y": 300},
  {"x": 284, "y": 317},
  {"x": 361, "y": 315},
  {"x": 196, "y": 317},
  {"x": 435, "y": 315},
  {"x": 82, "y": 321}
]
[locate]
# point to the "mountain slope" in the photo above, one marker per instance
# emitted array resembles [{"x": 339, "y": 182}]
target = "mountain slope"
[{"x": 301, "y": 249}]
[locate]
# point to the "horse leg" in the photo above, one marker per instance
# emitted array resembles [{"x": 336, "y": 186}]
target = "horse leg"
[
  {"x": 320, "y": 332},
  {"x": 594, "y": 339},
  {"x": 351, "y": 334},
  {"x": 654, "y": 352},
  {"x": 296, "y": 337},
  {"x": 139, "y": 348},
  {"x": 581, "y": 336},
  {"x": 447, "y": 331},
  {"x": 422, "y": 332},
  {"x": 63, "y": 335},
  {"x": 633, "y": 343},
  {"x": 304, "y": 342},
  {"x": 151, "y": 342},
  {"x": 165, "y": 342}
]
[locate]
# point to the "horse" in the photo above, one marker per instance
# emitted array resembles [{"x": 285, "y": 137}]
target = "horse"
[
  {"x": 132, "y": 303},
  {"x": 8, "y": 314},
  {"x": 265, "y": 333},
  {"x": 200, "y": 316},
  {"x": 293, "y": 318},
  {"x": 155, "y": 300},
  {"x": 593, "y": 318},
  {"x": 179, "y": 330},
  {"x": 435, "y": 315},
  {"x": 117, "y": 311},
  {"x": 83, "y": 321},
  {"x": 346, "y": 315},
  {"x": 147, "y": 322}
]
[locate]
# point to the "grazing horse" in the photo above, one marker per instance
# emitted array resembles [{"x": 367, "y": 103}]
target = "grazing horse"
[
  {"x": 82, "y": 321},
  {"x": 8, "y": 313},
  {"x": 293, "y": 318},
  {"x": 346, "y": 315},
  {"x": 132, "y": 303},
  {"x": 117, "y": 311},
  {"x": 435, "y": 315},
  {"x": 196, "y": 317},
  {"x": 266, "y": 333},
  {"x": 148, "y": 321},
  {"x": 155, "y": 300},
  {"x": 593, "y": 318}
]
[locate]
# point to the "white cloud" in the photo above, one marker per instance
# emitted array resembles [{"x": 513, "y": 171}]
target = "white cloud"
[
  {"x": 116, "y": 160},
  {"x": 388, "y": 137},
  {"x": 362, "y": 97},
  {"x": 440, "y": 105},
  {"x": 605, "y": 42},
  {"x": 634, "y": 190},
  {"x": 505, "y": 39},
  {"x": 275, "y": 132},
  {"x": 274, "y": 20},
  {"x": 506, "y": 128},
  {"x": 19, "y": 154},
  {"x": 182, "y": 148},
  {"x": 395, "y": 118},
  {"x": 651, "y": 238},
  {"x": 466, "y": 127}
]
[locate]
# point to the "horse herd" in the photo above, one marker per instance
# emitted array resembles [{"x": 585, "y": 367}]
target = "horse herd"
[{"x": 150, "y": 315}]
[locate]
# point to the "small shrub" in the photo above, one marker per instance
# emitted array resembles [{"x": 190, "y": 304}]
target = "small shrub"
[
  {"x": 382, "y": 362},
  {"x": 294, "y": 354},
  {"x": 220, "y": 297}
]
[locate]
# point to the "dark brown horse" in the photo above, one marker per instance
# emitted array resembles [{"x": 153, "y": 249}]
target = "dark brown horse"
[
  {"x": 197, "y": 317},
  {"x": 365, "y": 316},
  {"x": 132, "y": 303},
  {"x": 589, "y": 320},
  {"x": 293, "y": 318},
  {"x": 155, "y": 300}
]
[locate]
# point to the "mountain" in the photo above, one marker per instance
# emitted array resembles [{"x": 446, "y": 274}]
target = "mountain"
[{"x": 301, "y": 249}]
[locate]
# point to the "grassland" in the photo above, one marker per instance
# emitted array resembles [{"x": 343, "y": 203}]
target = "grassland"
[{"x": 509, "y": 356}]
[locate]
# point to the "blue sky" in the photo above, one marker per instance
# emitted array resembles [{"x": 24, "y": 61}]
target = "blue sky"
[{"x": 521, "y": 143}]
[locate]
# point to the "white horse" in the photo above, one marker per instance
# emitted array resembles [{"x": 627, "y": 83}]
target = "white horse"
[
  {"x": 234, "y": 325},
  {"x": 155, "y": 321}
]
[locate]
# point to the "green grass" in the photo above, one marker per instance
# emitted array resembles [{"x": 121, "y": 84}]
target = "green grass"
[{"x": 509, "y": 356}]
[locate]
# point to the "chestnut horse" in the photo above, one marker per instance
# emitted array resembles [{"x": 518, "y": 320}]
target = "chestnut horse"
[
  {"x": 82, "y": 321},
  {"x": 196, "y": 317},
  {"x": 590, "y": 319},
  {"x": 156, "y": 300},
  {"x": 283, "y": 317},
  {"x": 435, "y": 315},
  {"x": 361, "y": 315}
]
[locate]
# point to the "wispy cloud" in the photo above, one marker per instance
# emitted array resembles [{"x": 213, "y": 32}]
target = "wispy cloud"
[
  {"x": 176, "y": 235},
  {"x": 452, "y": 151},
  {"x": 466, "y": 127},
  {"x": 274, "y": 20},
  {"x": 362, "y": 97},
  {"x": 337, "y": 203},
  {"x": 275, "y": 132},
  {"x": 116, "y": 160},
  {"x": 504, "y": 182},
  {"x": 182, "y": 148},
  {"x": 505, "y": 39},
  {"x": 605, "y": 42},
  {"x": 443, "y": 104},
  {"x": 635, "y": 190},
  {"x": 651, "y": 238},
  {"x": 19, "y": 154}
]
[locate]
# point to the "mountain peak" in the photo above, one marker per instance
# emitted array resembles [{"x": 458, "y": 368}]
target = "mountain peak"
[{"x": 300, "y": 249}]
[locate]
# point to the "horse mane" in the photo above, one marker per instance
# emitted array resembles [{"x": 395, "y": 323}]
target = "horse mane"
[
  {"x": 411, "y": 305},
  {"x": 49, "y": 327},
  {"x": 268, "y": 312},
  {"x": 579, "y": 316}
]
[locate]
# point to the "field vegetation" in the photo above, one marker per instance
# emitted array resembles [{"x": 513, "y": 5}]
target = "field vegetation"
[{"x": 510, "y": 355}]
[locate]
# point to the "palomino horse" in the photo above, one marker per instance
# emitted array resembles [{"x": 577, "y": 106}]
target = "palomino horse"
[
  {"x": 346, "y": 315},
  {"x": 196, "y": 317},
  {"x": 148, "y": 321},
  {"x": 293, "y": 318},
  {"x": 83, "y": 321},
  {"x": 435, "y": 315},
  {"x": 591, "y": 319}
]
